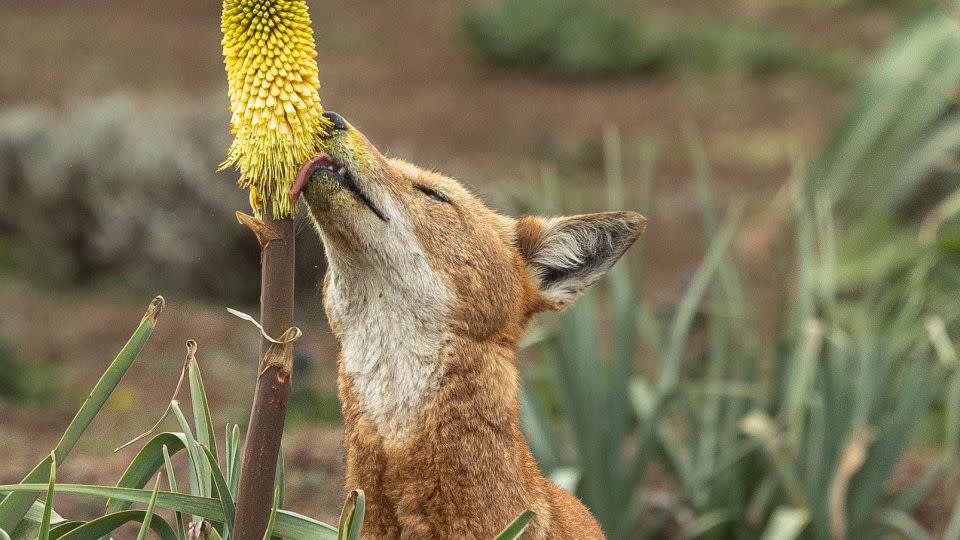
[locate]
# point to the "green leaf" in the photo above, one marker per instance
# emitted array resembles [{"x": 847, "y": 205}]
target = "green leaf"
[
  {"x": 516, "y": 527},
  {"x": 273, "y": 513},
  {"x": 280, "y": 475},
  {"x": 109, "y": 523},
  {"x": 226, "y": 501},
  {"x": 198, "y": 398},
  {"x": 289, "y": 524},
  {"x": 907, "y": 91},
  {"x": 65, "y": 527},
  {"x": 537, "y": 430},
  {"x": 351, "y": 517},
  {"x": 146, "y": 464},
  {"x": 567, "y": 478},
  {"x": 198, "y": 466},
  {"x": 786, "y": 523},
  {"x": 233, "y": 459},
  {"x": 15, "y": 505},
  {"x": 172, "y": 482},
  {"x": 906, "y": 525},
  {"x": 148, "y": 514},
  {"x": 692, "y": 297},
  {"x": 702, "y": 526},
  {"x": 44, "y": 533},
  {"x": 35, "y": 514}
]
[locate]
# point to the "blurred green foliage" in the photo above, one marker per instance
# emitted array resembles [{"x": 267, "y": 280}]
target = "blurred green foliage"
[
  {"x": 891, "y": 166},
  {"x": 798, "y": 437},
  {"x": 588, "y": 39},
  {"x": 307, "y": 403},
  {"x": 22, "y": 381},
  {"x": 11, "y": 386},
  {"x": 905, "y": 6}
]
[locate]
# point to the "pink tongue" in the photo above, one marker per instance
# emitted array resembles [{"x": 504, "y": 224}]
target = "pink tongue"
[{"x": 303, "y": 175}]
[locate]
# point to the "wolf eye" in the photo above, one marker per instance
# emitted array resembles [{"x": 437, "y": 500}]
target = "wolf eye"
[{"x": 432, "y": 193}]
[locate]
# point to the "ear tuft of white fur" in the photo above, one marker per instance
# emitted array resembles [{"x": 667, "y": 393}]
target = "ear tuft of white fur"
[{"x": 566, "y": 255}]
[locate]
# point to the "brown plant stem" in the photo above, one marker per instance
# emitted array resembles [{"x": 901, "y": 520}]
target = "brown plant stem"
[{"x": 265, "y": 431}]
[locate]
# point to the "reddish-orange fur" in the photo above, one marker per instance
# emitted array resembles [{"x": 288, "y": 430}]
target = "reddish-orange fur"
[{"x": 463, "y": 470}]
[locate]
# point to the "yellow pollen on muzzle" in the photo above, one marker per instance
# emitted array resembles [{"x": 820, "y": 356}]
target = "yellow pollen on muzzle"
[{"x": 270, "y": 58}]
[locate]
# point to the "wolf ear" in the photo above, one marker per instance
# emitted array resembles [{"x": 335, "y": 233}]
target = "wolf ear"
[{"x": 566, "y": 255}]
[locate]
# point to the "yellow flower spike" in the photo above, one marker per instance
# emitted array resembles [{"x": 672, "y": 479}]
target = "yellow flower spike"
[{"x": 274, "y": 87}]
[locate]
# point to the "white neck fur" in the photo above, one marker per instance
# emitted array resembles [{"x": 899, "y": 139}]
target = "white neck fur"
[{"x": 392, "y": 316}]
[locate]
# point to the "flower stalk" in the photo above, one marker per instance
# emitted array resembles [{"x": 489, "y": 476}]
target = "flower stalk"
[{"x": 277, "y": 124}]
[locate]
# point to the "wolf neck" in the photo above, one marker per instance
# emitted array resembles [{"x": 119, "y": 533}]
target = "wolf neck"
[{"x": 392, "y": 325}]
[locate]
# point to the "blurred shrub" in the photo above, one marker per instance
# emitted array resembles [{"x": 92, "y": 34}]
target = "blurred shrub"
[
  {"x": 124, "y": 188},
  {"x": 583, "y": 38}
]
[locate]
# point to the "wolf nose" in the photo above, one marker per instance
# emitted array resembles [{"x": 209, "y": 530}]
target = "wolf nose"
[{"x": 335, "y": 119}]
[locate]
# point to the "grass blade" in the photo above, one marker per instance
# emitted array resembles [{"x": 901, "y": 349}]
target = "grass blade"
[
  {"x": 906, "y": 525},
  {"x": 273, "y": 514},
  {"x": 288, "y": 524},
  {"x": 65, "y": 527},
  {"x": 44, "y": 533},
  {"x": 172, "y": 482},
  {"x": 148, "y": 514},
  {"x": 351, "y": 517},
  {"x": 279, "y": 476},
  {"x": 214, "y": 535},
  {"x": 226, "y": 501},
  {"x": 146, "y": 464},
  {"x": 15, "y": 505},
  {"x": 536, "y": 427},
  {"x": 786, "y": 524},
  {"x": 104, "y": 525},
  {"x": 702, "y": 526},
  {"x": 198, "y": 463},
  {"x": 690, "y": 301},
  {"x": 233, "y": 459},
  {"x": 516, "y": 527},
  {"x": 198, "y": 398}
]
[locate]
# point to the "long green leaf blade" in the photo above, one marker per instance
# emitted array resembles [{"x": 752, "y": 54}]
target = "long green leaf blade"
[
  {"x": 516, "y": 527},
  {"x": 146, "y": 464},
  {"x": 198, "y": 398},
  {"x": 226, "y": 501},
  {"x": 44, "y": 532},
  {"x": 172, "y": 482},
  {"x": 786, "y": 524},
  {"x": 15, "y": 505},
  {"x": 109, "y": 523},
  {"x": 351, "y": 517},
  {"x": 148, "y": 514},
  {"x": 273, "y": 514},
  {"x": 289, "y": 524}
]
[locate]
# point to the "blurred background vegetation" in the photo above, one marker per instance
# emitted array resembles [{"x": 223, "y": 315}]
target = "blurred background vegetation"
[{"x": 777, "y": 360}]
